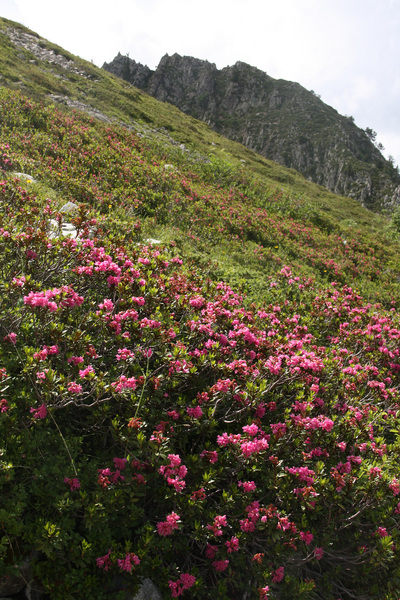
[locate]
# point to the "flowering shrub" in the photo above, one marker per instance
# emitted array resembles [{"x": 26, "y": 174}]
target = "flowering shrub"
[{"x": 156, "y": 425}]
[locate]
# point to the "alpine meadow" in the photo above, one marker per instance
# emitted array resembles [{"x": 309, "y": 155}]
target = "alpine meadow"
[{"x": 199, "y": 356}]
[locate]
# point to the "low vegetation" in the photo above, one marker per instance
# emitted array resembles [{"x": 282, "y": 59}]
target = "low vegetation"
[{"x": 202, "y": 385}]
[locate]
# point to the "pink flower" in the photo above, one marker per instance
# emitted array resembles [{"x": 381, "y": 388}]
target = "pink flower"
[
  {"x": 73, "y": 483},
  {"x": 124, "y": 383},
  {"x": 173, "y": 414},
  {"x": 19, "y": 281},
  {"x": 232, "y": 544},
  {"x": 306, "y": 537},
  {"x": 174, "y": 459},
  {"x": 120, "y": 463},
  {"x": 106, "y": 305},
  {"x": 195, "y": 413},
  {"x": 165, "y": 528},
  {"x": 126, "y": 564},
  {"x": 4, "y": 405},
  {"x": 263, "y": 593},
  {"x": 188, "y": 580},
  {"x": 220, "y": 521},
  {"x": 39, "y": 413},
  {"x": 11, "y": 337},
  {"x": 248, "y": 486},
  {"x": 251, "y": 429},
  {"x": 278, "y": 575},
  {"x": 85, "y": 372},
  {"x": 318, "y": 553},
  {"x": 382, "y": 532},
  {"x": 74, "y": 388},
  {"x": 124, "y": 354},
  {"x": 103, "y": 562},
  {"x": 394, "y": 487},
  {"x": 76, "y": 360},
  {"x": 210, "y": 551},
  {"x": 185, "y": 582},
  {"x": 220, "y": 565},
  {"x": 210, "y": 455}
]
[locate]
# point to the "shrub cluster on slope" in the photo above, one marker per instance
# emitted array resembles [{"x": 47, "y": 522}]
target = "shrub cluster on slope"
[
  {"x": 154, "y": 422},
  {"x": 211, "y": 208},
  {"x": 152, "y": 425}
]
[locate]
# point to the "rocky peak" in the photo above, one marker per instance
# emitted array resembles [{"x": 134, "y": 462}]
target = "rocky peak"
[{"x": 278, "y": 119}]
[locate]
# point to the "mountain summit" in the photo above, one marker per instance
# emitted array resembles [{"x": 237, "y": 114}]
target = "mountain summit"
[{"x": 278, "y": 119}]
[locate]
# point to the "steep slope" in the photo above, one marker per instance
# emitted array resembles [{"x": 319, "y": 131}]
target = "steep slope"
[
  {"x": 147, "y": 407},
  {"x": 279, "y": 119},
  {"x": 155, "y": 421}
]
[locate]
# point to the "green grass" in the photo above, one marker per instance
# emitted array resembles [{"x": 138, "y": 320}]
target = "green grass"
[{"x": 121, "y": 102}]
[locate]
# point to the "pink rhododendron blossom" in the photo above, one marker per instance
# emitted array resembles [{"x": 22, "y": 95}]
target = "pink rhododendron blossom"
[
  {"x": 232, "y": 545},
  {"x": 76, "y": 360},
  {"x": 74, "y": 388},
  {"x": 210, "y": 455},
  {"x": 4, "y": 407},
  {"x": 104, "y": 562},
  {"x": 173, "y": 414},
  {"x": 195, "y": 413},
  {"x": 198, "y": 494},
  {"x": 220, "y": 565},
  {"x": 11, "y": 337},
  {"x": 124, "y": 354},
  {"x": 120, "y": 463},
  {"x": 124, "y": 383},
  {"x": 165, "y": 528},
  {"x": 278, "y": 575},
  {"x": 127, "y": 563},
  {"x": 106, "y": 305},
  {"x": 86, "y": 372},
  {"x": 73, "y": 483},
  {"x": 39, "y": 413},
  {"x": 394, "y": 486},
  {"x": 251, "y": 429},
  {"x": 306, "y": 537},
  {"x": 185, "y": 582},
  {"x": 382, "y": 532},
  {"x": 175, "y": 472},
  {"x": 318, "y": 553},
  {"x": 19, "y": 281},
  {"x": 211, "y": 551},
  {"x": 248, "y": 486},
  {"x": 264, "y": 591}
]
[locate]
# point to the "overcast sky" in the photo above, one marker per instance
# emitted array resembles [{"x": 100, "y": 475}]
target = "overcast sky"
[{"x": 347, "y": 51}]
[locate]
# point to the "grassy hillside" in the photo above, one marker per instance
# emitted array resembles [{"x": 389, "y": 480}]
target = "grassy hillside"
[{"x": 217, "y": 410}]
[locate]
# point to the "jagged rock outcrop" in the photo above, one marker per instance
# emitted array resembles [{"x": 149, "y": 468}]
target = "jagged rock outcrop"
[{"x": 279, "y": 119}]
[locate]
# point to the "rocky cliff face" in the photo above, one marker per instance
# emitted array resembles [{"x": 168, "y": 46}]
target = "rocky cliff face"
[{"x": 278, "y": 119}]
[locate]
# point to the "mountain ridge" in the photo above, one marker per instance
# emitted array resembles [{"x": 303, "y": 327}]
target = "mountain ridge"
[{"x": 278, "y": 119}]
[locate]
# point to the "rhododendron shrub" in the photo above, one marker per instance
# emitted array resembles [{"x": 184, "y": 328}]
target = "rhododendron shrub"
[
  {"x": 155, "y": 424},
  {"x": 214, "y": 208}
]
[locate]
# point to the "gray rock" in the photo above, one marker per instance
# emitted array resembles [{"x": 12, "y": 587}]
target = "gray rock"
[
  {"x": 33, "y": 591},
  {"x": 13, "y": 584},
  {"x": 147, "y": 591},
  {"x": 29, "y": 178},
  {"x": 68, "y": 207}
]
